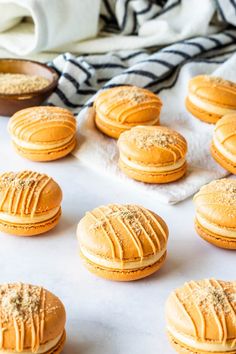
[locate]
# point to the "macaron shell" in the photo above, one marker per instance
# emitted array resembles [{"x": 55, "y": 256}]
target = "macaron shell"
[
  {"x": 200, "y": 113},
  {"x": 214, "y": 90},
  {"x": 121, "y": 108},
  {"x": 222, "y": 160},
  {"x": 145, "y": 144},
  {"x": 123, "y": 275},
  {"x": 181, "y": 349},
  {"x": 30, "y": 229},
  {"x": 216, "y": 240},
  {"x": 46, "y": 155},
  {"x": 59, "y": 347},
  {"x": 42, "y": 124},
  {"x": 152, "y": 177}
]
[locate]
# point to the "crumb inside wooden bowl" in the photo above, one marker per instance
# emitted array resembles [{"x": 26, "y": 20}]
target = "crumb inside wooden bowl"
[{"x": 21, "y": 83}]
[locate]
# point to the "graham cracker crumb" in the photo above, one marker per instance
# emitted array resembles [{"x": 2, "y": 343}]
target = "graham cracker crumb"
[
  {"x": 19, "y": 301},
  {"x": 21, "y": 83},
  {"x": 148, "y": 138}
]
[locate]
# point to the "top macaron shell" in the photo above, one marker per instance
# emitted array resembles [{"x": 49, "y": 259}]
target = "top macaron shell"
[
  {"x": 120, "y": 108},
  {"x": 153, "y": 145},
  {"x": 209, "y": 97},
  {"x": 43, "y": 133}
]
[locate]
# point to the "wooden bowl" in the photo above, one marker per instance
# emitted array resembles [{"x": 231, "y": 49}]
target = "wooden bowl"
[{"x": 11, "y": 103}]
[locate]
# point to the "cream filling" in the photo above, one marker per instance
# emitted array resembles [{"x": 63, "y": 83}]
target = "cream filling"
[
  {"x": 152, "y": 168},
  {"x": 43, "y": 348},
  {"x": 222, "y": 231},
  {"x": 45, "y": 146},
  {"x": 119, "y": 264},
  {"x": 209, "y": 107},
  {"x": 18, "y": 219},
  {"x": 120, "y": 125},
  {"x": 208, "y": 347},
  {"x": 224, "y": 151}
]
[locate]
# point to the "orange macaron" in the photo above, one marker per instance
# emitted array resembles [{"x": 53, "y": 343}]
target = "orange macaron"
[
  {"x": 153, "y": 154},
  {"x": 122, "y": 242},
  {"x": 201, "y": 317},
  {"x": 215, "y": 220},
  {"x": 43, "y": 133},
  {"x": 209, "y": 98},
  {"x": 32, "y": 320},
  {"x": 223, "y": 146},
  {"x": 30, "y": 203},
  {"x": 120, "y": 108}
]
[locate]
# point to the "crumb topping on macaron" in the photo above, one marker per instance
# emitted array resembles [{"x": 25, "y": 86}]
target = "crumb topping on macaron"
[
  {"x": 145, "y": 138},
  {"x": 209, "y": 294},
  {"x": 19, "y": 301}
]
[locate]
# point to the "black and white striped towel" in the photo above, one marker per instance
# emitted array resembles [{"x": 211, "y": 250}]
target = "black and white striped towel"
[{"x": 165, "y": 71}]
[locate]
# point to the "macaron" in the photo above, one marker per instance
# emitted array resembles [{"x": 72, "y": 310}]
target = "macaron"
[
  {"x": 32, "y": 320},
  {"x": 223, "y": 146},
  {"x": 30, "y": 203},
  {"x": 120, "y": 108},
  {"x": 201, "y": 317},
  {"x": 152, "y": 154},
  {"x": 215, "y": 220},
  {"x": 209, "y": 98},
  {"x": 43, "y": 133},
  {"x": 122, "y": 242}
]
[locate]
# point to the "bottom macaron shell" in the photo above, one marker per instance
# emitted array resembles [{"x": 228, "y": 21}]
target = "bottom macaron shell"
[
  {"x": 201, "y": 114},
  {"x": 217, "y": 240},
  {"x": 30, "y": 229},
  {"x": 182, "y": 349},
  {"x": 223, "y": 161},
  {"x": 123, "y": 275},
  {"x": 46, "y": 155},
  {"x": 59, "y": 347},
  {"x": 150, "y": 177}
]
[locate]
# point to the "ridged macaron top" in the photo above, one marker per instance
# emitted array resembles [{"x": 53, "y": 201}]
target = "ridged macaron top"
[
  {"x": 28, "y": 193},
  {"x": 43, "y": 125},
  {"x": 30, "y": 316},
  {"x": 128, "y": 105},
  {"x": 216, "y": 202},
  {"x": 204, "y": 310},
  {"x": 153, "y": 145},
  {"x": 225, "y": 132},
  {"x": 214, "y": 90},
  {"x": 122, "y": 232}
]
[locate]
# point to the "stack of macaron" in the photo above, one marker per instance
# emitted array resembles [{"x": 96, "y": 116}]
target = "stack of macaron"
[{"x": 149, "y": 152}]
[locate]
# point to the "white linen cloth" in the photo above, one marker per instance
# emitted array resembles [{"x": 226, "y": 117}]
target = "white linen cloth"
[
  {"x": 31, "y": 26},
  {"x": 101, "y": 153}
]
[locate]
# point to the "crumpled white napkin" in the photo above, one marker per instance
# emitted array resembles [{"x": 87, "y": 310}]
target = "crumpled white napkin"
[{"x": 101, "y": 153}]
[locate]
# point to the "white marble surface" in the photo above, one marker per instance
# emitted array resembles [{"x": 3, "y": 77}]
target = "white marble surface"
[{"x": 105, "y": 317}]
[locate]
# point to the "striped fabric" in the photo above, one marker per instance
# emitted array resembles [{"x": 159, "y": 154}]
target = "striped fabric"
[
  {"x": 227, "y": 11},
  {"x": 81, "y": 77}
]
